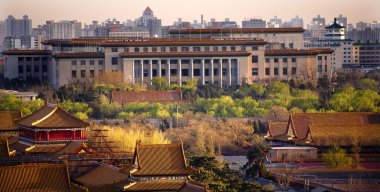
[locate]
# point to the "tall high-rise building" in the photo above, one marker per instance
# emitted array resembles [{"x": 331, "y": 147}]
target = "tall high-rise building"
[
  {"x": 275, "y": 22},
  {"x": 18, "y": 27},
  {"x": 151, "y": 22},
  {"x": 341, "y": 20},
  {"x": 63, "y": 29},
  {"x": 318, "y": 20},
  {"x": 2, "y": 33},
  {"x": 254, "y": 23},
  {"x": 297, "y": 22}
]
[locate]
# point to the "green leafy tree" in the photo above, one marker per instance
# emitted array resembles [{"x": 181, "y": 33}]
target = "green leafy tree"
[
  {"x": 79, "y": 109},
  {"x": 10, "y": 102},
  {"x": 366, "y": 100},
  {"x": 305, "y": 100},
  {"x": 343, "y": 100},
  {"x": 159, "y": 83},
  {"x": 368, "y": 83},
  {"x": 32, "y": 106},
  {"x": 277, "y": 87},
  {"x": 337, "y": 158}
]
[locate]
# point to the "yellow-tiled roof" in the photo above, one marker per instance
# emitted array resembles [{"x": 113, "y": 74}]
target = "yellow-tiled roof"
[
  {"x": 51, "y": 117},
  {"x": 344, "y": 135},
  {"x": 35, "y": 178},
  {"x": 161, "y": 160}
]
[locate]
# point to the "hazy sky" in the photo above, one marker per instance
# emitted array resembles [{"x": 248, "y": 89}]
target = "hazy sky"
[{"x": 170, "y": 10}]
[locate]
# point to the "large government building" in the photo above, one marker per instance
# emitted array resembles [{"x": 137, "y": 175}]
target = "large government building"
[{"x": 223, "y": 61}]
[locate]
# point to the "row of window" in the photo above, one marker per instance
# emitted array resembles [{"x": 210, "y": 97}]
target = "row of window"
[
  {"x": 30, "y": 58},
  {"x": 185, "y": 72},
  {"x": 320, "y": 68},
  {"x": 183, "y": 61},
  {"x": 255, "y": 71},
  {"x": 284, "y": 60},
  {"x": 83, "y": 73},
  {"x": 184, "y": 49},
  {"x": 28, "y": 68},
  {"x": 83, "y": 62}
]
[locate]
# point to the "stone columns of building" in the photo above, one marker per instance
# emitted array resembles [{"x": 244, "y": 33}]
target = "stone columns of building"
[
  {"x": 159, "y": 68},
  {"x": 221, "y": 72},
  {"x": 133, "y": 71},
  {"x": 179, "y": 74},
  {"x": 238, "y": 72},
  {"x": 192, "y": 68},
  {"x": 142, "y": 71},
  {"x": 168, "y": 63},
  {"x": 40, "y": 69},
  {"x": 203, "y": 71},
  {"x": 32, "y": 67},
  {"x": 212, "y": 71},
  {"x": 229, "y": 72},
  {"x": 150, "y": 72},
  {"x": 24, "y": 69}
]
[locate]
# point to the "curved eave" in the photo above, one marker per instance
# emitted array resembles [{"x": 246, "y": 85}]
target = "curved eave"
[{"x": 184, "y": 54}]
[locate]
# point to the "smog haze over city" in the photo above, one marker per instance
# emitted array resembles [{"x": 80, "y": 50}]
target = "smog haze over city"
[{"x": 170, "y": 10}]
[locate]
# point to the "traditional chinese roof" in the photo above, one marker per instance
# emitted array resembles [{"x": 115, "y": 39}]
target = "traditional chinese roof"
[
  {"x": 50, "y": 117},
  {"x": 329, "y": 128},
  {"x": 36, "y": 177},
  {"x": 161, "y": 160},
  {"x": 7, "y": 119},
  {"x": 296, "y": 52},
  {"x": 122, "y": 97},
  {"x": 345, "y": 135},
  {"x": 238, "y": 30},
  {"x": 335, "y": 25},
  {"x": 276, "y": 128},
  {"x": 184, "y": 54},
  {"x": 300, "y": 122},
  {"x": 73, "y": 147},
  {"x": 102, "y": 175},
  {"x": 164, "y": 185}
]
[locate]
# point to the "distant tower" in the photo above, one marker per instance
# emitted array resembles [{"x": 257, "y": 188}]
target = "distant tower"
[{"x": 202, "y": 22}]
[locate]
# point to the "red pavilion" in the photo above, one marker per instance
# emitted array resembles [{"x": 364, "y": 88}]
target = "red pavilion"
[{"x": 51, "y": 124}]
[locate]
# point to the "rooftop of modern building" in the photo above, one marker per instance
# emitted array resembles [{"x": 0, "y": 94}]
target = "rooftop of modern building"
[
  {"x": 185, "y": 54},
  {"x": 26, "y": 52},
  {"x": 111, "y": 42},
  {"x": 238, "y": 30},
  {"x": 18, "y": 94},
  {"x": 297, "y": 52},
  {"x": 64, "y": 55}
]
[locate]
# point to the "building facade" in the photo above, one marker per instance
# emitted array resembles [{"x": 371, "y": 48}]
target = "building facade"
[
  {"x": 28, "y": 65},
  {"x": 286, "y": 37},
  {"x": 254, "y": 23},
  {"x": 18, "y": 27},
  {"x": 223, "y": 62}
]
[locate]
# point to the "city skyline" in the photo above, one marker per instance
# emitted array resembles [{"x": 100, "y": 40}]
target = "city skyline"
[{"x": 189, "y": 11}]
